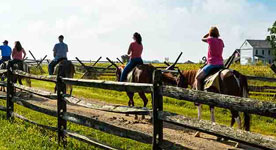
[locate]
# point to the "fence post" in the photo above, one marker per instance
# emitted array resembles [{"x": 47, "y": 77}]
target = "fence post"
[
  {"x": 61, "y": 108},
  {"x": 10, "y": 91},
  {"x": 157, "y": 100}
]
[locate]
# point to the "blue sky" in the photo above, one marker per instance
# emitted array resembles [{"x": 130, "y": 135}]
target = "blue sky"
[{"x": 94, "y": 28}]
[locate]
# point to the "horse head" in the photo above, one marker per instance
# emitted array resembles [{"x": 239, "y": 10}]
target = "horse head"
[
  {"x": 119, "y": 69},
  {"x": 181, "y": 80}
]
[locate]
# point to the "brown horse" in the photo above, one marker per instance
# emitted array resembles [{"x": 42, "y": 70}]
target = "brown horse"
[
  {"x": 65, "y": 69},
  {"x": 233, "y": 83},
  {"x": 143, "y": 74}
]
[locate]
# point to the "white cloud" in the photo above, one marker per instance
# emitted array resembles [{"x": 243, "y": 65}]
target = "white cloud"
[{"x": 94, "y": 28}]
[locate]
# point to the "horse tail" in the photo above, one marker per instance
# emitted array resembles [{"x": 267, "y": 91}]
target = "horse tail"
[{"x": 245, "y": 93}]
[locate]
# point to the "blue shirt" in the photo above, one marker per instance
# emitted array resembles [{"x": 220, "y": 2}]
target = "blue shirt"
[
  {"x": 6, "y": 50},
  {"x": 61, "y": 50}
]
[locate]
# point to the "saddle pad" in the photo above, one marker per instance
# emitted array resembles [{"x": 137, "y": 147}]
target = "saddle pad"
[
  {"x": 213, "y": 80},
  {"x": 130, "y": 76}
]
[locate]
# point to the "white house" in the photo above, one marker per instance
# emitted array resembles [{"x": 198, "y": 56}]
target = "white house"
[{"x": 253, "y": 50}]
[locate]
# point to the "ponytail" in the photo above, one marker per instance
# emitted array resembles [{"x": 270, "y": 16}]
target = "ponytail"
[{"x": 138, "y": 38}]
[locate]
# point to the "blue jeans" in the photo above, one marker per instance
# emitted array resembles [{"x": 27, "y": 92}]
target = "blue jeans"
[
  {"x": 5, "y": 58},
  {"x": 52, "y": 65},
  {"x": 131, "y": 64},
  {"x": 208, "y": 68}
]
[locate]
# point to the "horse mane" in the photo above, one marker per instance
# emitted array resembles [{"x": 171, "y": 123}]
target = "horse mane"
[
  {"x": 168, "y": 78},
  {"x": 189, "y": 75}
]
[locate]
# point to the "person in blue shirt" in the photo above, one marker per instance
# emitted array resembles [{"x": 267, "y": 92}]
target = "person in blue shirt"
[
  {"x": 60, "y": 53},
  {"x": 5, "y": 52}
]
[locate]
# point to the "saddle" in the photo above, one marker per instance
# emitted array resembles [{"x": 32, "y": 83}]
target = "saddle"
[{"x": 213, "y": 80}]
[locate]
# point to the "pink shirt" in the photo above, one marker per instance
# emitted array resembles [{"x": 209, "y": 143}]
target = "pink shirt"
[
  {"x": 215, "y": 51},
  {"x": 136, "y": 50},
  {"x": 17, "y": 54}
]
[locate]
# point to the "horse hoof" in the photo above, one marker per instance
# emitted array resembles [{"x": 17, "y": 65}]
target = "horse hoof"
[
  {"x": 237, "y": 145},
  {"x": 219, "y": 139},
  {"x": 197, "y": 134},
  {"x": 136, "y": 117},
  {"x": 143, "y": 117}
]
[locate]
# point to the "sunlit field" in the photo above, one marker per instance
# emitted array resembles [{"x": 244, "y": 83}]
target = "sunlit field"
[{"x": 28, "y": 136}]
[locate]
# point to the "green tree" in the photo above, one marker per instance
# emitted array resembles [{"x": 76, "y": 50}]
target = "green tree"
[{"x": 272, "y": 38}]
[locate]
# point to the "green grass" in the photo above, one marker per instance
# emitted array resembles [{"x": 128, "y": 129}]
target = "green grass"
[
  {"x": 32, "y": 137},
  {"x": 17, "y": 134},
  {"x": 263, "y": 125}
]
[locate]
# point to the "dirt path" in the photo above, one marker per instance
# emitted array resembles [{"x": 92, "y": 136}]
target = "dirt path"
[{"x": 172, "y": 133}]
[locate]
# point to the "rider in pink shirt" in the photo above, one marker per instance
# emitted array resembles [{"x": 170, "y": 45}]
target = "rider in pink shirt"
[
  {"x": 135, "y": 51},
  {"x": 17, "y": 53},
  {"x": 214, "y": 56}
]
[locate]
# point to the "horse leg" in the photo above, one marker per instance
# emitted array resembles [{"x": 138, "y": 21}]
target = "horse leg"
[
  {"x": 197, "y": 134},
  {"x": 235, "y": 118},
  {"x": 2, "y": 88},
  {"x": 71, "y": 89},
  {"x": 246, "y": 116},
  {"x": 130, "y": 96},
  {"x": 246, "y": 121},
  {"x": 145, "y": 99},
  {"x": 130, "y": 102},
  {"x": 212, "y": 111}
]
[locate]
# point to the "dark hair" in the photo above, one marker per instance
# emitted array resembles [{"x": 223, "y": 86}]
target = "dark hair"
[
  {"x": 138, "y": 38},
  {"x": 61, "y": 36},
  {"x": 18, "y": 46}
]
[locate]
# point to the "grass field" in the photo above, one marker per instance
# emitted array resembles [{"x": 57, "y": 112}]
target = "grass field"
[{"x": 20, "y": 135}]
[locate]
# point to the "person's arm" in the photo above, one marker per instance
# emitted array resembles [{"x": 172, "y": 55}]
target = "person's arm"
[
  {"x": 13, "y": 53},
  {"x": 55, "y": 51},
  {"x": 24, "y": 54},
  {"x": 205, "y": 37},
  {"x": 129, "y": 50}
]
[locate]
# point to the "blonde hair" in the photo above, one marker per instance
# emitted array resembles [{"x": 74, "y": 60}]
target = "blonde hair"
[{"x": 214, "y": 32}]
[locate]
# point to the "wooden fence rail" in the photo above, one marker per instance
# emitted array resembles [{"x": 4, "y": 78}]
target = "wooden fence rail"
[
  {"x": 224, "y": 101},
  {"x": 111, "y": 85},
  {"x": 37, "y": 77},
  {"x": 108, "y": 108},
  {"x": 253, "y": 139},
  {"x": 159, "y": 116}
]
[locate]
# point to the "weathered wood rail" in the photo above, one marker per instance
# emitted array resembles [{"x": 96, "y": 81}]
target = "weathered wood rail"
[
  {"x": 262, "y": 88},
  {"x": 108, "y": 108},
  {"x": 224, "y": 101},
  {"x": 218, "y": 130},
  {"x": 159, "y": 116},
  {"x": 111, "y": 85}
]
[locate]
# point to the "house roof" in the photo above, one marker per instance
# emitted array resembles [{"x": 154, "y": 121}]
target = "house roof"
[
  {"x": 259, "y": 56},
  {"x": 188, "y": 62},
  {"x": 259, "y": 43}
]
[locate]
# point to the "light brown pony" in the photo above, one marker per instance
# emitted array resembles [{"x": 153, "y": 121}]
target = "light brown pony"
[{"x": 234, "y": 84}]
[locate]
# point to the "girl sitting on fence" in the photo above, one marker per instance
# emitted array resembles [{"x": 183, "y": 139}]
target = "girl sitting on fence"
[{"x": 135, "y": 52}]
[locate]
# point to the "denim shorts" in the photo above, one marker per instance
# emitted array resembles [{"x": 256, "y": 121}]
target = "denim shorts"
[{"x": 208, "y": 68}]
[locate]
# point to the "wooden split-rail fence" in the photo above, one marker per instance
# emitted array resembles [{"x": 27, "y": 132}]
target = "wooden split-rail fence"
[{"x": 159, "y": 116}]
